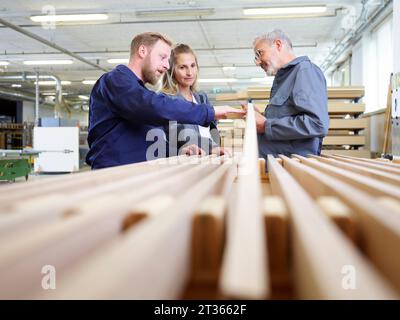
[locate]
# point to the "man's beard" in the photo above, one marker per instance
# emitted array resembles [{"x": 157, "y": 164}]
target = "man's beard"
[
  {"x": 271, "y": 69},
  {"x": 149, "y": 75}
]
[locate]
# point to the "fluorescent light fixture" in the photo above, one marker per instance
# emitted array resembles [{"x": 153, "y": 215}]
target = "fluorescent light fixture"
[
  {"x": 222, "y": 80},
  {"x": 47, "y": 62},
  {"x": 15, "y": 85},
  {"x": 53, "y": 83},
  {"x": 89, "y": 81},
  {"x": 83, "y": 97},
  {"x": 274, "y": 11},
  {"x": 267, "y": 80},
  {"x": 119, "y": 60},
  {"x": 70, "y": 17},
  {"x": 227, "y": 68},
  {"x": 48, "y": 93},
  {"x": 4, "y": 63},
  {"x": 175, "y": 12}
]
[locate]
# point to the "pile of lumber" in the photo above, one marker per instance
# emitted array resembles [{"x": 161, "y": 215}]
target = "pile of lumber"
[
  {"x": 346, "y": 129},
  {"x": 206, "y": 227}
]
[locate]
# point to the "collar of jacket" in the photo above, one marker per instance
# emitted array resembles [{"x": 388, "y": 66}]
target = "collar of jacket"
[
  {"x": 124, "y": 69},
  {"x": 296, "y": 61}
]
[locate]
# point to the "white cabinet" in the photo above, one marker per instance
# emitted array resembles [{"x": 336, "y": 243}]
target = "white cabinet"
[{"x": 59, "y": 149}]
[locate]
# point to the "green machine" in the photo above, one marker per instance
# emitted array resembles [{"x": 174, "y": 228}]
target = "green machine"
[{"x": 16, "y": 163}]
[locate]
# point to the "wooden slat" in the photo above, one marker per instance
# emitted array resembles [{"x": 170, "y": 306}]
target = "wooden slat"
[
  {"x": 372, "y": 173},
  {"x": 95, "y": 221},
  {"x": 340, "y": 214},
  {"x": 365, "y": 164},
  {"x": 361, "y": 153},
  {"x": 208, "y": 241},
  {"x": 320, "y": 251},
  {"x": 55, "y": 206},
  {"x": 157, "y": 252},
  {"x": 344, "y": 140},
  {"x": 277, "y": 230},
  {"x": 348, "y": 123},
  {"x": 343, "y": 108},
  {"x": 372, "y": 186},
  {"x": 381, "y": 162},
  {"x": 335, "y": 107},
  {"x": 379, "y": 225},
  {"x": 264, "y": 93},
  {"x": 244, "y": 270}
]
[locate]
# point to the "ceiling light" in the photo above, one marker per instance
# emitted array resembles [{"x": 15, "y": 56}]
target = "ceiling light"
[
  {"x": 217, "y": 80},
  {"x": 175, "y": 12},
  {"x": 4, "y": 63},
  {"x": 53, "y": 83},
  {"x": 70, "y": 17},
  {"x": 232, "y": 68},
  {"x": 83, "y": 97},
  {"x": 120, "y": 60},
  {"x": 45, "y": 62},
  {"x": 89, "y": 81},
  {"x": 275, "y": 11},
  {"x": 15, "y": 85}
]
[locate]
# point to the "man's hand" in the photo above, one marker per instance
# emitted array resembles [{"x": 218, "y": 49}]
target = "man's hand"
[
  {"x": 225, "y": 112},
  {"x": 260, "y": 119},
  {"x": 220, "y": 151},
  {"x": 192, "y": 150},
  {"x": 260, "y": 122}
]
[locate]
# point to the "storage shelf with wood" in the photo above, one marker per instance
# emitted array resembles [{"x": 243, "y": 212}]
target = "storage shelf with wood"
[{"x": 347, "y": 127}]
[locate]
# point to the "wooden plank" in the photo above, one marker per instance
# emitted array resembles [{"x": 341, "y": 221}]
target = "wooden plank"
[
  {"x": 244, "y": 271},
  {"x": 360, "y": 153},
  {"x": 364, "y": 164},
  {"x": 353, "y": 167},
  {"x": 381, "y": 162},
  {"x": 335, "y": 107},
  {"x": 379, "y": 228},
  {"x": 340, "y": 214},
  {"x": 54, "y": 206},
  {"x": 144, "y": 255},
  {"x": 207, "y": 241},
  {"x": 95, "y": 221},
  {"x": 362, "y": 182},
  {"x": 320, "y": 250},
  {"x": 348, "y": 123},
  {"x": 277, "y": 231},
  {"x": 264, "y": 93},
  {"x": 343, "y": 107},
  {"x": 344, "y": 140}
]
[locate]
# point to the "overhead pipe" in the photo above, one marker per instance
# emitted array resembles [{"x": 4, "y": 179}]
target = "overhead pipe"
[
  {"x": 50, "y": 44},
  {"x": 353, "y": 35}
]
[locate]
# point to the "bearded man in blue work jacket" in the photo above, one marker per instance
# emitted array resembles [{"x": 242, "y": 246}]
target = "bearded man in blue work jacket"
[
  {"x": 123, "y": 111},
  {"x": 296, "y": 119}
]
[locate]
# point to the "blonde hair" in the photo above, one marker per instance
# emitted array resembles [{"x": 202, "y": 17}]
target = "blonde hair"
[
  {"x": 148, "y": 39},
  {"x": 169, "y": 83}
]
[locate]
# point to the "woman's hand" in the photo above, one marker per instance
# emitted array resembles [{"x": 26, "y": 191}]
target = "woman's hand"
[{"x": 192, "y": 150}]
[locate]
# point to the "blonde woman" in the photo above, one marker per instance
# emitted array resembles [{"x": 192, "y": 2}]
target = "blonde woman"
[{"x": 180, "y": 82}]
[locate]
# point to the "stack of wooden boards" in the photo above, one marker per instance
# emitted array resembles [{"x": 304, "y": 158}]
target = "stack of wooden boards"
[
  {"x": 346, "y": 129},
  {"x": 11, "y": 135},
  {"x": 189, "y": 227}
]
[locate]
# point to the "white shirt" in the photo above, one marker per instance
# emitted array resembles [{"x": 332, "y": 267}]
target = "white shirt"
[{"x": 204, "y": 131}]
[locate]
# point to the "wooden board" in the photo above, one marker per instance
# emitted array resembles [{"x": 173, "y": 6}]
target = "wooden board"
[
  {"x": 344, "y": 140},
  {"x": 348, "y": 123},
  {"x": 379, "y": 226},
  {"x": 244, "y": 270},
  {"x": 318, "y": 263}
]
